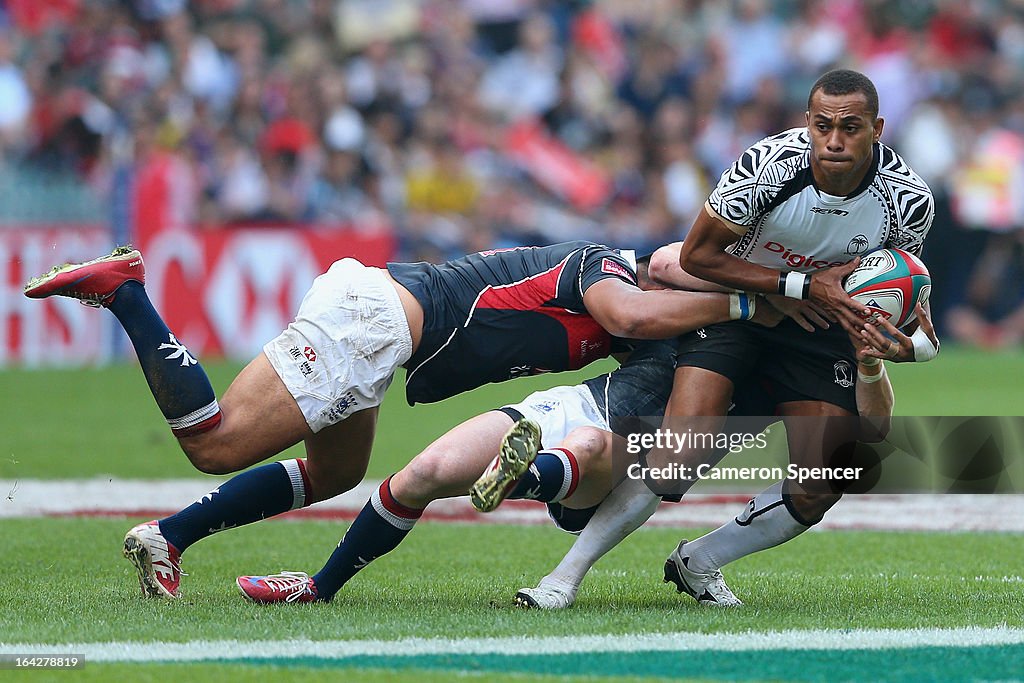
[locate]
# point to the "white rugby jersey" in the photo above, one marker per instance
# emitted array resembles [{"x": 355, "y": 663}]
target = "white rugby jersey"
[{"x": 769, "y": 198}]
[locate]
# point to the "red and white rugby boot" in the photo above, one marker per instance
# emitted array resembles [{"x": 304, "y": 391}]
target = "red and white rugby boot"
[
  {"x": 157, "y": 561},
  {"x": 518, "y": 451},
  {"x": 283, "y": 587},
  {"x": 94, "y": 282}
]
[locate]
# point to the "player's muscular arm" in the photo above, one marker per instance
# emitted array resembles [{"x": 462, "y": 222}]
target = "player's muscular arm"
[
  {"x": 629, "y": 312},
  {"x": 666, "y": 271},
  {"x": 703, "y": 255},
  {"x": 875, "y": 398}
]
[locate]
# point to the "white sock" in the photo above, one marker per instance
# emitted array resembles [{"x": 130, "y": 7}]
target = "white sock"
[
  {"x": 766, "y": 522},
  {"x": 625, "y": 509}
]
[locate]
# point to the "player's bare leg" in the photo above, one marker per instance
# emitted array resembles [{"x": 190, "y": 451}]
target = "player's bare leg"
[
  {"x": 450, "y": 465},
  {"x": 445, "y": 468},
  {"x": 337, "y": 456},
  {"x": 256, "y": 418},
  {"x": 259, "y": 419}
]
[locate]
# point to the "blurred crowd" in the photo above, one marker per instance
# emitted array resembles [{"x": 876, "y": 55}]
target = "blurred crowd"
[{"x": 468, "y": 124}]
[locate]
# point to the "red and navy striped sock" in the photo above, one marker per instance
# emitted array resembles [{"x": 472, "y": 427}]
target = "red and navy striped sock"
[
  {"x": 177, "y": 380},
  {"x": 259, "y": 493},
  {"x": 380, "y": 527},
  {"x": 552, "y": 477}
]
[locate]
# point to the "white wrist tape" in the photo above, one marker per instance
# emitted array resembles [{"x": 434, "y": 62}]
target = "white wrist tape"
[
  {"x": 741, "y": 306},
  {"x": 794, "y": 287},
  {"x": 870, "y": 379},
  {"x": 924, "y": 350}
]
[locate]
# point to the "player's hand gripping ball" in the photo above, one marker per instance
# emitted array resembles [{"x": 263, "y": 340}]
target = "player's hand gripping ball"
[{"x": 890, "y": 283}]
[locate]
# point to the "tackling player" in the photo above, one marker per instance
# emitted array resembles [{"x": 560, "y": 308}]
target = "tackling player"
[
  {"x": 571, "y": 478},
  {"x": 487, "y": 317}
]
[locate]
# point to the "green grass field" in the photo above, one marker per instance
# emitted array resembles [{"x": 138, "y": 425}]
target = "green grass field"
[{"x": 63, "y": 581}]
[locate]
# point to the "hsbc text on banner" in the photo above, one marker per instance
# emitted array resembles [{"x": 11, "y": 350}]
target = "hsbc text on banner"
[
  {"x": 223, "y": 292},
  {"x": 54, "y": 331}
]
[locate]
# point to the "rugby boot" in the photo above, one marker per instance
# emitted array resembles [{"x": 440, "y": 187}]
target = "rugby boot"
[
  {"x": 706, "y": 588},
  {"x": 157, "y": 562},
  {"x": 545, "y": 596},
  {"x": 283, "y": 587},
  {"x": 517, "y": 452},
  {"x": 95, "y": 282}
]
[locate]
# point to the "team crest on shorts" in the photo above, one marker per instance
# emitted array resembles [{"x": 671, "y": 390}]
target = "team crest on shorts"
[
  {"x": 844, "y": 374},
  {"x": 545, "y": 406},
  {"x": 342, "y": 407}
]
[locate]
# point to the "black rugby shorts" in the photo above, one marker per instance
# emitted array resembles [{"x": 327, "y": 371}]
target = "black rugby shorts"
[{"x": 801, "y": 365}]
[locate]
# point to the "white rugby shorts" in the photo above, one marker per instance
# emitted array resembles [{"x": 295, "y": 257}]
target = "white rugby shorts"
[
  {"x": 560, "y": 410},
  {"x": 340, "y": 353}
]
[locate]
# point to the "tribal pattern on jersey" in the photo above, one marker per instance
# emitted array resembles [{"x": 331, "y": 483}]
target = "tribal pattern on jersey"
[
  {"x": 784, "y": 222},
  {"x": 500, "y": 314}
]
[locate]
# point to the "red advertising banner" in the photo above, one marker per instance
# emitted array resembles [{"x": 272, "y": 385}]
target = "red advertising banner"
[
  {"x": 229, "y": 291},
  {"x": 54, "y": 331},
  {"x": 225, "y": 291}
]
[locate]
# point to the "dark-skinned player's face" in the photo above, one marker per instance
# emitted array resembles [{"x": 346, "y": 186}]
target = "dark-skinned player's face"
[{"x": 842, "y": 131}]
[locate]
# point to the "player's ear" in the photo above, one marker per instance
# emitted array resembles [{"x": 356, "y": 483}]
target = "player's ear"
[{"x": 878, "y": 125}]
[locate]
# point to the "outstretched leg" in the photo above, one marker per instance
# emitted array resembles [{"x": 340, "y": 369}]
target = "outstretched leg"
[
  {"x": 257, "y": 416},
  {"x": 445, "y": 468}
]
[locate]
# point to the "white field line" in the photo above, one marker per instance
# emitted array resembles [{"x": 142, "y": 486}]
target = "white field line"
[
  {"x": 159, "y": 498},
  {"x": 200, "y": 650}
]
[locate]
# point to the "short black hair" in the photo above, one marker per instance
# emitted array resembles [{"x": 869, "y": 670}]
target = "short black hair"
[{"x": 846, "y": 82}]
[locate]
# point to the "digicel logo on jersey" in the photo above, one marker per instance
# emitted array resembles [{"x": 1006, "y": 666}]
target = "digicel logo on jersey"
[{"x": 795, "y": 260}]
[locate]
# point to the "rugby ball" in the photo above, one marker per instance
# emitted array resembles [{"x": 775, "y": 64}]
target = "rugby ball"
[{"x": 890, "y": 283}]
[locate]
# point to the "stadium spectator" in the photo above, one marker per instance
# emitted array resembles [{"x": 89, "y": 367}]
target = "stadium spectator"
[
  {"x": 15, "y": 97},
  {"x": 222, "y": 74}
]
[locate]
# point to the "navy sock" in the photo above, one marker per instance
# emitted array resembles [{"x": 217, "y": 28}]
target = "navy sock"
[
  {"x": 259, "y": 493},
  {"x": 178, "y": 382},
  {"x": 552, "y": 477},
  {"x": 380, "y": 527}
]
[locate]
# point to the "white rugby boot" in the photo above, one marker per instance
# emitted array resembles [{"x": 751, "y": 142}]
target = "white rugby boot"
[
  {"x": 707, "y": 589},
  {"x": 547, "y": 595}
]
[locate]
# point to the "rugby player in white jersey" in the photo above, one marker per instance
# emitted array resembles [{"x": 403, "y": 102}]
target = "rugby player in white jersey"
[{"x": 789, "y": 218}]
